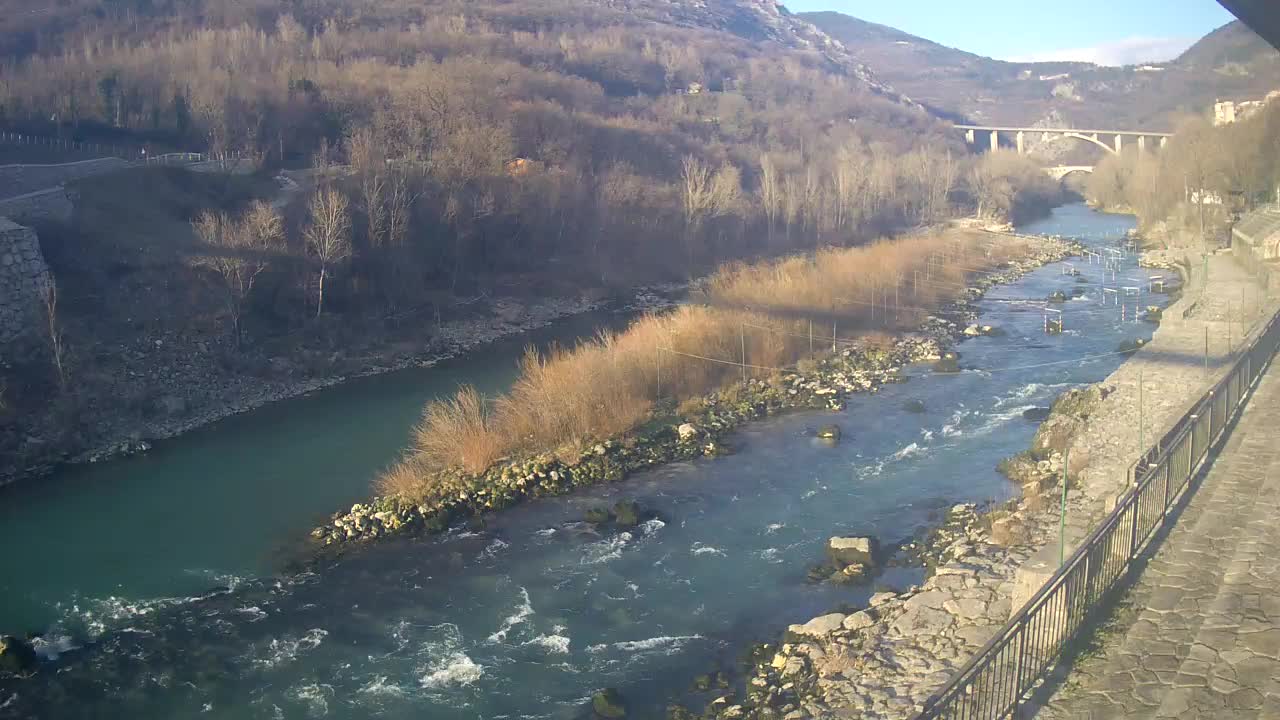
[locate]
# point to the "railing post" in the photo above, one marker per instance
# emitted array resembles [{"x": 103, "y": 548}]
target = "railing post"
[
  {"x": 1133, "y": 526},
  {"x": 1022, "y": 653}
]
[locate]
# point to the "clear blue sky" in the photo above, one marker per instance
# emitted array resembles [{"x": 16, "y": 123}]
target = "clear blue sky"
[{"x": 1106, "y": 31}]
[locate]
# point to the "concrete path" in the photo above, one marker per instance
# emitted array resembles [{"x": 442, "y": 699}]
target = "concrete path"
[{"x": 1206, "y": 642}]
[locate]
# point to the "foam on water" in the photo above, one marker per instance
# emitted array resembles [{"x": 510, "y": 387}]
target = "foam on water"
[
  {"x": 666, "y": 643},
  {"x": 286, "y": 649},
  {"x": 908, "y": 451},
  {"x": 454, "y": 669},
  {"x": 522, "y": 612},
  {"x": 379, "y": 686},
  {"x": 315, "y": 696},
  {"x": 772, "y": 528},
  {"x": 554, "y": 644},
  {"x": 97, "y": 615},
  {"x": 496, "y": 546},
  {"x": 252, "y": 613},
  {"x": 605, "y": 550},
  {"x": 700, "y": 549},
  {"x": 651, "y": 526},
  {"x": 50, "y": 646},
  {"x": 997, "y": 420},
  {"x": 872, "y": 470}
]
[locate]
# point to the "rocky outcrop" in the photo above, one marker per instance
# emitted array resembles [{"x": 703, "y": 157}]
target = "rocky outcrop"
[
  {"x": 23, "y": 277},
  {"x": 17, "y": 656}
]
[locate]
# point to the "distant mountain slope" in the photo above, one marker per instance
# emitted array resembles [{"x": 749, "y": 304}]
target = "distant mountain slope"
[
  {"x": 1233, "y": 43},
  {"x": 1230, "y": 63}
]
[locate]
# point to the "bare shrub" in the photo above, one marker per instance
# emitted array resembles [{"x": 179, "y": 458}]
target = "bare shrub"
[{"x": 458, "y": 431}]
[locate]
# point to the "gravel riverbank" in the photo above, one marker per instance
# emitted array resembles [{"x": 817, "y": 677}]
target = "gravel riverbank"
[{"x": 886, "y": 660}]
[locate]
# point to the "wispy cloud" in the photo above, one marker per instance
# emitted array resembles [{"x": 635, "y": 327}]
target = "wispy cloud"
[{"x": 1128, "y": 51}]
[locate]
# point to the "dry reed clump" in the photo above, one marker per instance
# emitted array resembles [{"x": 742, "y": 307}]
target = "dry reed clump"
[
  {"x": 567, "y": 398},
  {"x": 459, "y": 431}
]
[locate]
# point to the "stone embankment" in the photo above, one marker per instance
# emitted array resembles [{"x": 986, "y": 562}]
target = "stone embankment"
[
  {"x": 458, "y": 495},
  {"x": 886, "y": 660},
  {"x": 23, "y": 278}
]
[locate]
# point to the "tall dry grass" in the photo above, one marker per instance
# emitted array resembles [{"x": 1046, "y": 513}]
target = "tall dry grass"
[{"x": 762, "y": 313}]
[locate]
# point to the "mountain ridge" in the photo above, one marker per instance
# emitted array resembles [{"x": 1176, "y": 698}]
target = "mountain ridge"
[{"x": 1230, "y": 63}]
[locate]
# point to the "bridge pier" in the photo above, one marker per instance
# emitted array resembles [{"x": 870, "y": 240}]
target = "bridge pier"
[
  {"x": 1163, "y": 141},
  {"x": 968, "y": 136},
  {"x": 995, "y": 139},
  {"x": 1021, "y": 145},
  {"x": 1142, "y": 142},
  {"x": 1119, "y": 144}
]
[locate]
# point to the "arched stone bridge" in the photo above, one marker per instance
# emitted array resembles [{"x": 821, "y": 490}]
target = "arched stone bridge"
[
  {"x": 1059, "y": 172},
  {"x": 1110, "y": 140}
]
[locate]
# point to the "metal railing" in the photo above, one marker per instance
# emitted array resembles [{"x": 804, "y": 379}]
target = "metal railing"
[
  {"x": 176, "y": 158},
  {"x": 998, "y": 678}
]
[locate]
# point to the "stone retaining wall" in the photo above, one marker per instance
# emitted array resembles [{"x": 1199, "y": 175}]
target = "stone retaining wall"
[{"x": 23, "y": 276}]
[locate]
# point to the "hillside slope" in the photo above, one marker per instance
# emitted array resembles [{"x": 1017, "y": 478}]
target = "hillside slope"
[{"x": 1229, "y": 63}]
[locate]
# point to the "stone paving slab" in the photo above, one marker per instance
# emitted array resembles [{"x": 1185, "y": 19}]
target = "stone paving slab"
[{"x": 1206, "y": 642}]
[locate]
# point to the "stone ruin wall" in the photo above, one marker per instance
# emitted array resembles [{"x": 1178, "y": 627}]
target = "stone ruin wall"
[{"x": 23, "y": 278}]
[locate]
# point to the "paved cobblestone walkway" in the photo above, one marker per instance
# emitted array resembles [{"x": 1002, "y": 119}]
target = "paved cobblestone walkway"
[{"x": 1206, "y": 642}]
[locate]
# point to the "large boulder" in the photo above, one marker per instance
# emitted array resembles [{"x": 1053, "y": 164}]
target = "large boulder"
[
  {"x": 608, "y": 703},
  {"x": 819, "y": 627},
  {"x": 830, "y": 433},
  {"x": 16, "y": 655},
  {"x": 1054, "y": 434},
  {"x": 1036, "y": 414},
  {"x": 626, "y": 513},
  {"x": 845, "y": 551},
  {"x": 687, "y": 433}
]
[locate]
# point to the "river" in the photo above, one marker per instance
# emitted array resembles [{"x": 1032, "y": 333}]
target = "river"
[{"x": 528, "y": 616}]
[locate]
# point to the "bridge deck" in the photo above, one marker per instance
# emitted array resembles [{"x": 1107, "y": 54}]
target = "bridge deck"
[
  {"x": 1059, "y": 131},
  {"x": 1205, "y": 641}
]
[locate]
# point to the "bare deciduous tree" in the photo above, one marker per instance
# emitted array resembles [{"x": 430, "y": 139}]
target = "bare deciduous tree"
[
  {"x": 328, "y": 234},
  {"x": 240, "y": 249},
  {"x": 53, "y": 332},
  {"x": 770, "y": 192}
]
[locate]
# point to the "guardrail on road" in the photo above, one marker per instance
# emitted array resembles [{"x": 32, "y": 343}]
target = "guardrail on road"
[{"x": 998, "y": 678}]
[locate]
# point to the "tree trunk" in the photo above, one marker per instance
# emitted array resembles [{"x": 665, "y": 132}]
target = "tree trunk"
[{"x": 320, "y": 298}]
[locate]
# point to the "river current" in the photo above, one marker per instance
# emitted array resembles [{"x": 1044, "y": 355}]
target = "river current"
[{"x": 160, "y": 607}]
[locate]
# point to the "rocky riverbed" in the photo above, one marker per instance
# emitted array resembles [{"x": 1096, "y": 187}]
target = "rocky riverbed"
[
  {"x": 886, "y": 660},
  {"x": 458, "y": 495}
]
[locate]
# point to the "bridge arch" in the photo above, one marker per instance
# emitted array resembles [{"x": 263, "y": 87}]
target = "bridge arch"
[
  {"x": 1092, "y": 139},
  {"x": 1061, "y": 172}
]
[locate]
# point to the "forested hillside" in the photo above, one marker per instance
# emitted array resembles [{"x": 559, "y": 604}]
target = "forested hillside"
[
  {"x": 525, "y": 129},
  {"x": 439, "y": 152}
]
